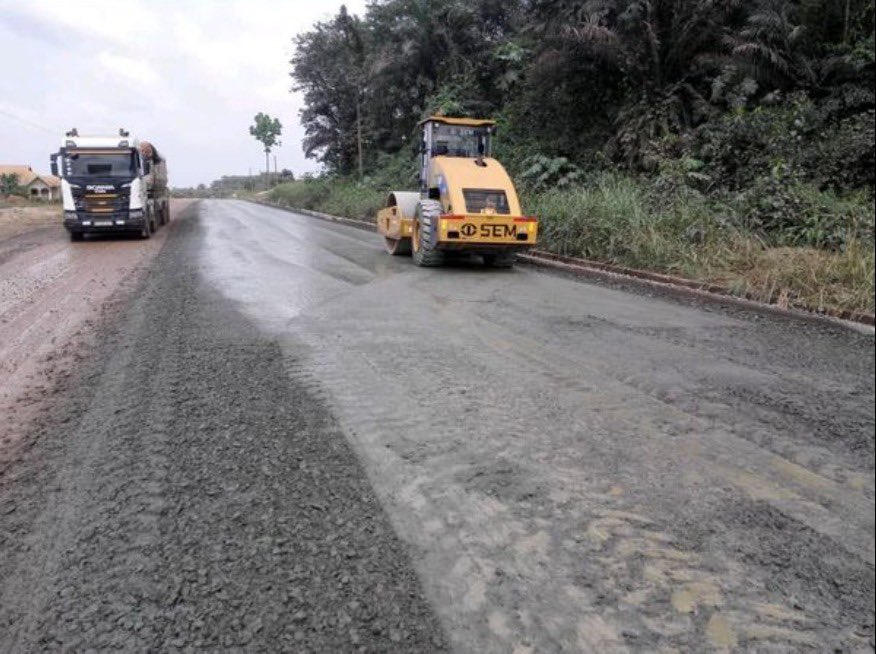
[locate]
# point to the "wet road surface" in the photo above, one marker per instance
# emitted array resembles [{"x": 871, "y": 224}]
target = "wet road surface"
[
  {"x": 576, "y": 467},
  {"x": 339, "y": 451}
]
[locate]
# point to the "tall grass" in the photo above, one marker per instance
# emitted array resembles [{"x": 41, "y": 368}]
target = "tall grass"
[
  {"x": 622, "y": 220},
  {"x": 339, "y": 196}
]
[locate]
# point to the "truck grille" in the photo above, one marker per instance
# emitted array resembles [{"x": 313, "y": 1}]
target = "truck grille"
[{"x": 102, "y": 203}]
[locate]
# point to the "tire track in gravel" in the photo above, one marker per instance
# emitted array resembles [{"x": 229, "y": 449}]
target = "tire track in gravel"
[{"x": 189, "y": 495}]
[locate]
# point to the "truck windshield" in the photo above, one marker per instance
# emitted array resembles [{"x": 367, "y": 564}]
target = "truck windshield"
[
  {"x": 85, "y": 163},
  {"x": 460, "y": 141}
]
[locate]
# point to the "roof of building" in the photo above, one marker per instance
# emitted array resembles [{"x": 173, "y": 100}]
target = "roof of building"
[
  {"x": 468, "y": 122},
  {"x": 27, "y": 176}
]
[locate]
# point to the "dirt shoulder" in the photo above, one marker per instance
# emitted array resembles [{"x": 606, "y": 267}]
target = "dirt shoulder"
[
  {"x": 20, "y": 220},
  {"x": 53, "y": 295}
]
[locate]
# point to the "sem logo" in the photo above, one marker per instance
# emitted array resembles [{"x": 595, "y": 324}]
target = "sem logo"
[
  {"x": 468, "y": 229},
  {"x": 499, "y": 231}
]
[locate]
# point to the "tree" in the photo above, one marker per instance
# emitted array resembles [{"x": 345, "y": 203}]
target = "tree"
[
  {"x": 266, "y": 131},
  {"x": 330, "y": 67},
  {"x": 589, "y": 80},
  {"x": 9, "y": 184}
]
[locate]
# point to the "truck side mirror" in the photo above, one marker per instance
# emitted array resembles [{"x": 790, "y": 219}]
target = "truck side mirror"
[{"x": 54, "y": 165}]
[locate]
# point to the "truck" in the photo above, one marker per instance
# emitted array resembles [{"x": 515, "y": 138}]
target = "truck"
[{"x": 111, "y": 184}]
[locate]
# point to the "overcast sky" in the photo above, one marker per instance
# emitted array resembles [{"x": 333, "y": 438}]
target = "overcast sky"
[{"x": 188, "y": 75}]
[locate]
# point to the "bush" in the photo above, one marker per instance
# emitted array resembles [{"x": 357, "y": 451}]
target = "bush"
[
  {"x": 808, "y": 141},
  {"x": 307, "y": 193},
  {"x": 740, "y": 241},
  {"x": 542, "y": 172},
  {"x": 623, "y": 220},
  {"x": 9, "y": 185},
  {"x": 789, "y": 212},
  {"x": 338, "y": 196}
]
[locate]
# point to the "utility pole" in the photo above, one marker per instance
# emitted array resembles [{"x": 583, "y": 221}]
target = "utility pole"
[
  {"x": 276, "y": 175},
  {"x": 846, "y": 18},
  {"x": 359, "y": 130}
]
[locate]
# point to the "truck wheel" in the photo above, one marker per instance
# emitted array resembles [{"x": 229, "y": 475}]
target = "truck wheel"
[
  {"x": 77, "y": 236},
  {"x": 398, "y": 246},
  {"x": 146, "y": 230},
  {"x": 166, "y": 213},
  {"x": 423, "y": 249},
  {"x": 499, "y": 260}
]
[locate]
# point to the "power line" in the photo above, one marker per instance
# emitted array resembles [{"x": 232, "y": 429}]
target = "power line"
[{"x": 29, "y": 123}]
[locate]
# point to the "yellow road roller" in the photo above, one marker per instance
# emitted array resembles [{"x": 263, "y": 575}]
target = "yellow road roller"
[{"x": 466, "y": 202}]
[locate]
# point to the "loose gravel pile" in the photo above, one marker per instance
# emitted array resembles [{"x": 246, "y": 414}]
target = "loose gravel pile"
[{"x": 189, "y": 495}]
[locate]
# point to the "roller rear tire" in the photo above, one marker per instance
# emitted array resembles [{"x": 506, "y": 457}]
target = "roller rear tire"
[{"x": 424, "y": 252}]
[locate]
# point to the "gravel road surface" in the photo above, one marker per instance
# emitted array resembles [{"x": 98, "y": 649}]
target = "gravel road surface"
[
  {"x": 289, "y": 440},
  {"x": 185, "y": 493}
]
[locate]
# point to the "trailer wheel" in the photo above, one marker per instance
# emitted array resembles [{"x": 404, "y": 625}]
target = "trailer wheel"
[
  {"x": 398, "y": 246},
  {"x": 423, "y": 240},
  {"x": 166, "y": 213}
]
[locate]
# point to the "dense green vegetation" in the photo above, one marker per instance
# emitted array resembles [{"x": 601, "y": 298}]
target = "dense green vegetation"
[{"x": 725, "y": 140}]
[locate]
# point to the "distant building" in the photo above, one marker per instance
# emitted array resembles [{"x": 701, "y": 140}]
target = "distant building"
[{"x": 37, "y": 186}]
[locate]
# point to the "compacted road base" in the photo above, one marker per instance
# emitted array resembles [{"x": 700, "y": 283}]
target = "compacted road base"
[
  {"x": 579, "y": 468},
  {"x": 187, "y": 494}
]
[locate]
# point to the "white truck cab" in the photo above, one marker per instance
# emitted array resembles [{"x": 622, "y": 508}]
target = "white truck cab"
[{"x": 111, "y": 184}]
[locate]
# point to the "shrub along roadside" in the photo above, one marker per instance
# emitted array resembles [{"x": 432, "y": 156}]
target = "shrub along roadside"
[
  {"x": 782, "y": 243},
  {"x": 621, "y": 220}
]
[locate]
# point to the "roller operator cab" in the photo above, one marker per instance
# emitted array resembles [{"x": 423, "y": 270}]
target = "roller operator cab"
[
  {"x": 466, "y": 202},
  {"x": 111, "y": 184}
]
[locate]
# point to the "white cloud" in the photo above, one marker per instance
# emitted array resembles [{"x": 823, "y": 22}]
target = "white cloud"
[
  {"x": 189, "y": 76},
  {"x": 136, "y": 71}
]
